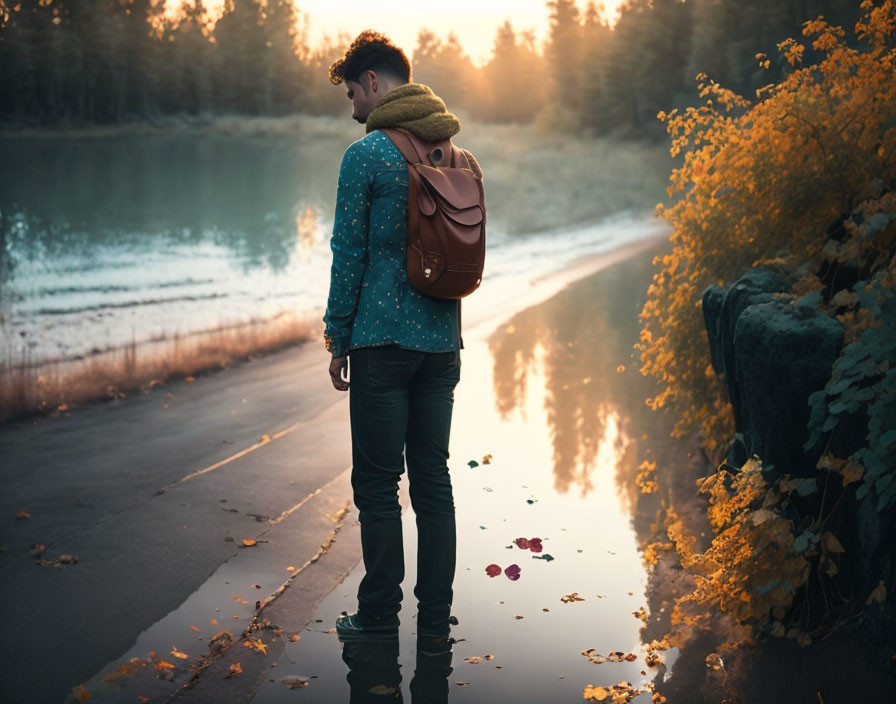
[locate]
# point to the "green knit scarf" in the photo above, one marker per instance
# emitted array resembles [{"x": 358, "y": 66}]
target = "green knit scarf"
[{"x": 417, "y": 109}]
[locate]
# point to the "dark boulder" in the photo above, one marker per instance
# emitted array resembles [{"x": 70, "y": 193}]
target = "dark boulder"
[
  {"x": 756, "y": 286},
  {"x": 782, "y": 352}
]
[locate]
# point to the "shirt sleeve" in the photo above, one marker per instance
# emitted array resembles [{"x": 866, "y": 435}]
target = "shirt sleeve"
[{"x": 349, "y": 247}]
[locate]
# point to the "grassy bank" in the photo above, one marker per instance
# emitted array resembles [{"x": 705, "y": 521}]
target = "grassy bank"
[{"x": 60, "y": 386}]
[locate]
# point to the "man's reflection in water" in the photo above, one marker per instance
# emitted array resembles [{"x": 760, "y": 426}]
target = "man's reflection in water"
[{"x": 374, "y": 671}]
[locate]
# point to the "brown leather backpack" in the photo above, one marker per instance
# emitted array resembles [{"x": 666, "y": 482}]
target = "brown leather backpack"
[{"x": 446, "y": 216}]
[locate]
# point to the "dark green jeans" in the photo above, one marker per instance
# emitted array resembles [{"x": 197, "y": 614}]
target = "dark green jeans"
[{"x": 400, "y": 405}]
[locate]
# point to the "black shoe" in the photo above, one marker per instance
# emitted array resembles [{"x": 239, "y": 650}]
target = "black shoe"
[
  {"x": 358, "y": 626},
  {"x": 433, "y": 627}
]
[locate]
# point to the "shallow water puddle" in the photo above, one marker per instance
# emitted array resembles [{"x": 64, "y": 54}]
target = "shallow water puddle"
[{"x": 548, "y": 397}]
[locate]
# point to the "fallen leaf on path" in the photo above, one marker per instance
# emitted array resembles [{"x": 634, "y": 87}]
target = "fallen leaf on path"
[
  {"x": 188, "y": 379},
  {"x": 178, "y": 654},
  {"x": 293, "y": 638},
  {"x": 248, "y": 542},
  {"x": 641, "y": 614},
  {"x": 472, "y": 463},
  {"x": 290, "y": 568},
  {"x": 240, "y": 599},
  {"x": 195, "y": 628},
  {"x": 220, "y": 642},
  {"x": 568, "y": 598},
  {"x": 68, "y": 559},
  {"x": 487, "y": 459},
  {"x": 37, "y": 550},
  {"x": 235, "y": 669},
  {"x": 461, "y": 684},
  {"x": 517, "y": 617},
  {"x": 531, "y": 501},
  {"x": 522, "y": 543},
  {"x": 256, "y": 644},
  {"x": 547, "y": 557},
  {"x": 22, "y": 515},
  {"x": 125, "y": 670},
  {"x": 475, "y": 659},
  {"x": 295, "y": 682},
  {"x": 81, "y": 694}
]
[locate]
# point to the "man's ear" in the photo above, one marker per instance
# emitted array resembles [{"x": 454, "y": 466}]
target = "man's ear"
[{"x": 372, "y": 81}]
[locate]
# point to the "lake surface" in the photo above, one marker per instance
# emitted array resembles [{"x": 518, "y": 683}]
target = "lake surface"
[
  {"x": 554, "y": 395},
  {"x": 112, "y": 240}
]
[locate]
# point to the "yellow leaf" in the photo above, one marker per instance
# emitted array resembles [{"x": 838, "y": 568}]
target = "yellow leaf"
[
  {"x": 194, "y": 628},
  {"x": 878, "y": 594},
  {"x": 248, "y": 542},
  {"x": 178, "y": 654},
  {"x": 81, "y": 694},
  {"x": 235, "y": 669},
  {"x": 829, "y": 543},
  {"x": 257, "y": 644}
]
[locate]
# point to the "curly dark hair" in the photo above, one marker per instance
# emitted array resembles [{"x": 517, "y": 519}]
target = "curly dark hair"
[{"x": 371, "y": 51}]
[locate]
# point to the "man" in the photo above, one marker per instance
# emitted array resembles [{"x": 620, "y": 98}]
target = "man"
[{"x": 404, "y": 348}]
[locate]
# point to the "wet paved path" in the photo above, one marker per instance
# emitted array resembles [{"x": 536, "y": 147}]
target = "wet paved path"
[
  {"x": 91, "y": 484},
  {"x": 554, "y": 396}
]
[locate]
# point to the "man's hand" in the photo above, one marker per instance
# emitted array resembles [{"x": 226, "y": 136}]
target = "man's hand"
[{"x": 338, "y": 369}]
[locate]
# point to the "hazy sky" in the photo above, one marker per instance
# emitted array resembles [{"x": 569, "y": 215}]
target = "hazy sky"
[{"x": 473, "y": 21}]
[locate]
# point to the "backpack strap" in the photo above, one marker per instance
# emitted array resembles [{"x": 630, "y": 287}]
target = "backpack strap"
[{"x": 416, "y": 151}]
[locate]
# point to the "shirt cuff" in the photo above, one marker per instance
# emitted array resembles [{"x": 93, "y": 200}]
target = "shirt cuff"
[{"x": 337, "y": 344}]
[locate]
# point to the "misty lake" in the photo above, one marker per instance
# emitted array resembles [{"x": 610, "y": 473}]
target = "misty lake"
[{"x": 133, "y": 237}]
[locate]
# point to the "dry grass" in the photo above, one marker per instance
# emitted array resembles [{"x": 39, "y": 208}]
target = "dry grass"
[{"x": 29, "y": 389}]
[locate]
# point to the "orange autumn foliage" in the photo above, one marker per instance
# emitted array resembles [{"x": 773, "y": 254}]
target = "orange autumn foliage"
[{"x": 764, "y": 181}]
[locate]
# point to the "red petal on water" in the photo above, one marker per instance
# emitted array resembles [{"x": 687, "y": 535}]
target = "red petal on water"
[
  {"x": 512, "y": 572},
  {"x": 493, "y": 570},
  {"x": 535, "y": 545},
  {"x": 522, "y": 543}
]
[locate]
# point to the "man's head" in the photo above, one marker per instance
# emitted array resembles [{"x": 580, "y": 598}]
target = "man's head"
[{"x": 372, "y": 66}]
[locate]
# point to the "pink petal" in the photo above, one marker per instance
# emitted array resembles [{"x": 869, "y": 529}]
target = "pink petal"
[
  {"x": 493, "y": 570},
  {"x": 512, "y": 572}
]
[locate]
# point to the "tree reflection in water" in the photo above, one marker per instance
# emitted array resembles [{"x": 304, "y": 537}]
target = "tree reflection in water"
[{"x": 584, "y": 339}]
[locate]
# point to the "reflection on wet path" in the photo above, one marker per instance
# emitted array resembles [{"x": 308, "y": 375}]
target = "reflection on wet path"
[{"x": 555, "y": 398}]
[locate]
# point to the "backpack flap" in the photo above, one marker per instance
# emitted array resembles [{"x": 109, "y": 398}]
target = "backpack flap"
[{"x": 457, "y": 193}]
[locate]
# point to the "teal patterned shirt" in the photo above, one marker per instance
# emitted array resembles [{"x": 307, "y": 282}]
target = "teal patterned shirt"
[{"x": 371, "y": 301}]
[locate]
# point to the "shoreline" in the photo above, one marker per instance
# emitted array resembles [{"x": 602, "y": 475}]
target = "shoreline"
[{"x": 51, "y": 389}]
